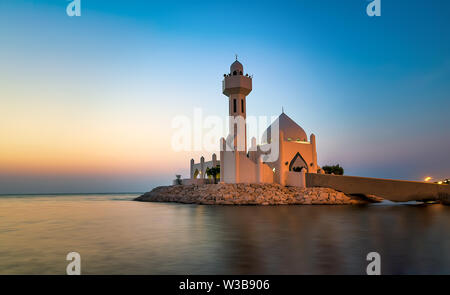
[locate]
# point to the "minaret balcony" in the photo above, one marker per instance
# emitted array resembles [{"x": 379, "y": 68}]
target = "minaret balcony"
[{"x": 238, "y": 84}]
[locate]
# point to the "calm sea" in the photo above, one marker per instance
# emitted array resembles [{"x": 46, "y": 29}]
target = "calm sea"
[{"x": 115, "y": 235}]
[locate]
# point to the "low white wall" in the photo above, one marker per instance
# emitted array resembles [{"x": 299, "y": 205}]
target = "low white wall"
[
  {"x": 188, "y": 181},
  {"x": 394, "y": 190},
  {"x": 206, "y": 165},
  {"x": 295, "y": 179}
]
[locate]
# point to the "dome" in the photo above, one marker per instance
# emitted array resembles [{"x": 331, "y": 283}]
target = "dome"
[
  {"x": 291, "y": 130},
  {"x": 236, "y": 66}
]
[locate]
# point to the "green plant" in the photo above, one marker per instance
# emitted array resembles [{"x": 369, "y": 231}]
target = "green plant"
[
  {"x": 214, "y": 172},
  {"x": 335, "y": 169}
]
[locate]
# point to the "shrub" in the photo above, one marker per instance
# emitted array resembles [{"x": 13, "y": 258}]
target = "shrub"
[
  {"x": 335, "y": 169},
  {"x": 214, "y": 172}
]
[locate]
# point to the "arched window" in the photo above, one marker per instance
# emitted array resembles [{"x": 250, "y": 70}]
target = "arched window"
[
  {"x": 234, "y": 105},
  {"x": 234, "y": 73},
  {"x": 242, "y": 105},
  {"x": 298, "y": 163}
]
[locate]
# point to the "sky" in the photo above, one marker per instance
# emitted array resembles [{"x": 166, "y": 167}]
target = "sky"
[{"x": 87, "y": 102}]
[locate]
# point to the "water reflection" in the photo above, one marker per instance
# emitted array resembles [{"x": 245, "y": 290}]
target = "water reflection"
[
  {"x": 124, "y": 237},
  {"x": 330, "y": 240}
]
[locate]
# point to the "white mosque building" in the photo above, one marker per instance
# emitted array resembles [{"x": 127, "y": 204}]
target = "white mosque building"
[
  {"x": 286, "y": 156},
  {"x": 283, "y": 157}
]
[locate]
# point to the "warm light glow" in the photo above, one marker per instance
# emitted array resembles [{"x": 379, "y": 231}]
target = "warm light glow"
[
  {"x": 440, "y": 182},
  {"x": 427, "y": 178}
]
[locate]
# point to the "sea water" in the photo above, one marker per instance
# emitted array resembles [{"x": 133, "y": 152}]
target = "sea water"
[{"x": 115, "y": 235}]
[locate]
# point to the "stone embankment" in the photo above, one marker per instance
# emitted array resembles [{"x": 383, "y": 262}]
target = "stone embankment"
[
  {"x": 445, "y": 199},
  {"x": 251, "y": 194}
]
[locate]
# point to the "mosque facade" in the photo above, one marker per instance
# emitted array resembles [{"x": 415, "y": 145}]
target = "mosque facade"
[{"x": 284, "y": 155}]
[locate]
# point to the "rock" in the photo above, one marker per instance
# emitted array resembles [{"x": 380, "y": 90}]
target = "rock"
[{"x": 249, "y": 194}]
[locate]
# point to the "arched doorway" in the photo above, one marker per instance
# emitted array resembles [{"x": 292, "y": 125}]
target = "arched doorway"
[{"x": 297, "y": 163}]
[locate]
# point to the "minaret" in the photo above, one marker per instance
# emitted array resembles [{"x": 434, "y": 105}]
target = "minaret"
[{"x": 237, "y": 86}]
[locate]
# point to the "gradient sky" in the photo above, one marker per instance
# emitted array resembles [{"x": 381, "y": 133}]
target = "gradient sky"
[{"x": 86, "y": 103}]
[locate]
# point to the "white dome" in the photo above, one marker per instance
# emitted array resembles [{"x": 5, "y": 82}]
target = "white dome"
[
  {"x": 236, "y": 66},
  {"x": 292, "y": 131}
]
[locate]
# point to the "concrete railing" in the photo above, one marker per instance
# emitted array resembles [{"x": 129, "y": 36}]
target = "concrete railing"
[
  {"x": 393, "y": 190},
  {"x": 188, "y": 181},
  {"x": 295, "y": 179}
]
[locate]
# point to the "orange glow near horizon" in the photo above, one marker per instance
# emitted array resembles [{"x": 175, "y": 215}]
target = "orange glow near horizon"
[
  {"x": 63, "y": 139},
  {"x": 89, "y": 147}
]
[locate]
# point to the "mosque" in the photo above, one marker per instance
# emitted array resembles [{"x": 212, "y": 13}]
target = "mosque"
[{"x": 283, "y": 156}]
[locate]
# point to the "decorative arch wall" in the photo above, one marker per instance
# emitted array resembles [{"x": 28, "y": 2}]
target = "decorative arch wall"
[{"x": 298, "y": 161}]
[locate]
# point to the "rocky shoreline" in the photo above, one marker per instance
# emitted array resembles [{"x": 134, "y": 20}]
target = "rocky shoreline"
[{"x": 252, "y": 194}]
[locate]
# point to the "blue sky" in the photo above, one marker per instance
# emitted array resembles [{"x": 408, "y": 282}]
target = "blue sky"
[{"x": 375, "y": 90}]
